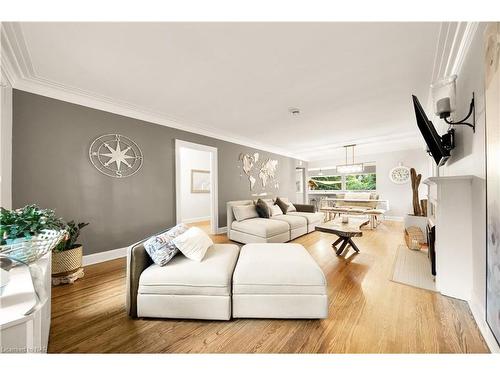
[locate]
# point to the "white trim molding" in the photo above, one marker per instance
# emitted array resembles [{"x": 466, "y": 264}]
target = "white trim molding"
[
  {"x": 451, "y": 48},
  {"x": 222, "y": 230},
  {"x": 5, "y": 141},
  {"x": 364, "y": 146},
  {"x": 214, "y": 178},
  {"x": 104, "y": 256},
  {"x": 23, "y": 76},
  {"x": 480, "y": 317}
]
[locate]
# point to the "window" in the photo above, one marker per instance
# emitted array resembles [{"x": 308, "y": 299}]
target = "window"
[
  {"x": 364, "y": 181},
  {"x": 325, "y": 183},
  {"x": 331, "y": 181}
]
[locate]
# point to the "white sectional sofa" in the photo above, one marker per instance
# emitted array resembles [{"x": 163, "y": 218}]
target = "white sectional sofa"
[
  {"x": 280, "y": 228},
  {"x": 263, "y": 281}
]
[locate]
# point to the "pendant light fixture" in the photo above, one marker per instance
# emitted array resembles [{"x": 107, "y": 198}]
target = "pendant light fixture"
[{"x": 350, "y": 168}]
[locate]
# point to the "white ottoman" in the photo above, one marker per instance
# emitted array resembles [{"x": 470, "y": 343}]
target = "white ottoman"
[{"x": 278, "y": 281}]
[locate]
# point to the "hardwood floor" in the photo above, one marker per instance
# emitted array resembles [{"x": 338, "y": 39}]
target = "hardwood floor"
[{"x": 368, "y": 313}]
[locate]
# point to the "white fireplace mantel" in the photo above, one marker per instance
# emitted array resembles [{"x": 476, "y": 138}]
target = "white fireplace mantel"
[{"x": 450, "y": 210}]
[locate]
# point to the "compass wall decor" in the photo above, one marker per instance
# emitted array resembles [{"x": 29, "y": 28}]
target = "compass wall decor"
[{"x": 115, "y": 155}]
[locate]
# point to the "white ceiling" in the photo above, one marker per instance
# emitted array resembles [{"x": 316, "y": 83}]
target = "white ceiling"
[{"x": 351, "y": 81}]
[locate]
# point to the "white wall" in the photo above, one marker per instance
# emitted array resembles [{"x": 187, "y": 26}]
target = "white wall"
[
  {"x": 194, "y": 206},
  {"x": 5, "y": 144},
  {"x": 399, "y": 196},
  {"x": 468, "y": 158}
]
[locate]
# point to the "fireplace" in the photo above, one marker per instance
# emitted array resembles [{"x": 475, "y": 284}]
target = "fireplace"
[{"x": 431, "y": 239}]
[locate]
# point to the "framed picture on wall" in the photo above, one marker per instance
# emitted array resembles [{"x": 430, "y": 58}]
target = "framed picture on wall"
[{"x": 200, "y": 181}]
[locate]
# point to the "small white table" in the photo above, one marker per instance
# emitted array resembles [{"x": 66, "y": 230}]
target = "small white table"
[{"x": 20, "y": 333}]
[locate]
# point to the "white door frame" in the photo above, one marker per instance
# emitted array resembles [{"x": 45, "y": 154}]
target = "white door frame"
[
  {"x": 6, "y": 140},
  {"x": 214, "y": 193},
  {"x": 304, "y": 185}
]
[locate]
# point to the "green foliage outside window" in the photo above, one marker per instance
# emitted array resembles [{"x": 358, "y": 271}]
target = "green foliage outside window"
[
  {"x": 367, "y": 181},
  {"x": 325, "y": 182}
]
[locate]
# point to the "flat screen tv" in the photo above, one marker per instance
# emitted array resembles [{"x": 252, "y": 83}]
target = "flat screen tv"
[{"x": 440, "y": 152}]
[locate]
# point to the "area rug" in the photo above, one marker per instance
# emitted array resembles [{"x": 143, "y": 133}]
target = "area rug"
[{"x": 413, "y": 268}]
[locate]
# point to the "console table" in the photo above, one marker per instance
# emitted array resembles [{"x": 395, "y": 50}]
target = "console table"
[{"x": 20, "y": 333}]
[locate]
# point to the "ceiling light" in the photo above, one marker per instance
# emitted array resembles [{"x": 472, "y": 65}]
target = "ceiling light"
[
  {"x": 294, "y": 111},
  {"x": 350, "y": 168}
]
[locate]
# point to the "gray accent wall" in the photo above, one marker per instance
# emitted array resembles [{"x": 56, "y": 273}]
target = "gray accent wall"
[{"x": 51, "y": 168}]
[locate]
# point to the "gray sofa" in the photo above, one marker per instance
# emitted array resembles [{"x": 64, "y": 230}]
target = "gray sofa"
[{"x": 281, "y": 228}]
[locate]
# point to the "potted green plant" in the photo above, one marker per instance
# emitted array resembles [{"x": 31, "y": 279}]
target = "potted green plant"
[
  {"x": 67, "y": 256},
  {"x": 25, "y": 223},
  {"x": 26, "y": 235}
]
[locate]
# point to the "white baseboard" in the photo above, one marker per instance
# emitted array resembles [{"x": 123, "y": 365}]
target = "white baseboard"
[
  {"x": 104, "y": 256},
  {"x": 222, "y": 230},
  {"x": 479, "y": 316},
  {"x": 196, "y": 219}
]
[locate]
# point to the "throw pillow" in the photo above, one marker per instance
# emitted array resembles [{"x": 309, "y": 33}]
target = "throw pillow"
[
  {"x": 276, "y": 211},
  {"x": 282, "y": 204},
  {"x": 291, "y": 208},
  {"x": 245, "y": 212},
  {"x": 193, "y": 243},
  {"x": 263, "y": 209},
  {"x": 160, "y": 248}
]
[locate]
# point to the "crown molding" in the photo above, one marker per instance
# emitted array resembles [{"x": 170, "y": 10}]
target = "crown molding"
[
  {"x": 365, "y": 146},
  {"x": 22, "y": 76},
  {"x": 452, "y": 46},
  {"x": 7, "y": 59}
]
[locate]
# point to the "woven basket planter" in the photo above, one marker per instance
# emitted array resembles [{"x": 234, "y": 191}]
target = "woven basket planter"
[{"x": 67, "y": 261}]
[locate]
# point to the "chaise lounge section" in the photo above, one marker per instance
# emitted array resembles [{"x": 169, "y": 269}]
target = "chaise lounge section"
[{"x": 183, "y": 289}]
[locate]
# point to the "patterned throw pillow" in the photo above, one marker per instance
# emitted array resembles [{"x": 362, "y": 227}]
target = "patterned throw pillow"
[{"x": 161, "y": 248}]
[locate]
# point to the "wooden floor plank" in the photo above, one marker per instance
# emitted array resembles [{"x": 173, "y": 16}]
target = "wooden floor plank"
[{"x": 368, "y": 313}]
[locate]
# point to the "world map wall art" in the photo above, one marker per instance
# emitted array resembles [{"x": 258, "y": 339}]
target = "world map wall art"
[{"x": 257, "y": 169}]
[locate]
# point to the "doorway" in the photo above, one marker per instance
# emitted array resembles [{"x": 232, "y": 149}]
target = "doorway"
[
  {"x": 300, "y": 185},
  {"x": 196, "y": 185}
]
